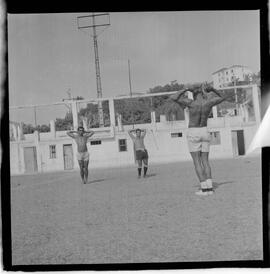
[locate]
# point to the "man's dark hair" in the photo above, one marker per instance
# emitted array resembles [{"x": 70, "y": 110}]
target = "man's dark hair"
[
  {"x": 138, "y": 130},
  {"x": 80, "y": 128}
]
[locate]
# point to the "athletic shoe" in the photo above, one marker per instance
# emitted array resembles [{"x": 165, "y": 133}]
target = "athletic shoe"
[
  {"x": 210, "y": 191},
  {"x": 201, "y": 192}
]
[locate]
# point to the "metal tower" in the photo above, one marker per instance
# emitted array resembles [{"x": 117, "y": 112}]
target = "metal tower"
[{"x": 98, "y": 77}]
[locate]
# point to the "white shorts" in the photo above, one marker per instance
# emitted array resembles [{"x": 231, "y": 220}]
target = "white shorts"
[
  {"x": 198, "y": 139},
  {"x": 83, "y": 156}
]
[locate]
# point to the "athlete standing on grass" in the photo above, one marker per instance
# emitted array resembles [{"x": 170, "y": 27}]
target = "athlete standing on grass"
[
  {"x": 198, "y": 136},
  {"x": 81, "y": 138},
  {"x": 141, "y": 152}
]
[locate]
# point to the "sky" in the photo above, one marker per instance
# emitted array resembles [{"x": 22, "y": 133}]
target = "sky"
[{"x": 48, "y": 55}]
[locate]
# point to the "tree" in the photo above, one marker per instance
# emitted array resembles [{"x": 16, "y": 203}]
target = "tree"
[
  {"x": 64, "y": 124},
  {"x": 43, "y": 128},
  {"x": 172, "y": 111},
  {"x": 134, "y": 110},
  {"x": 78, "y": 98},
  {"x": 28, "y": 128},
  {"x": 90, "y": 115}
]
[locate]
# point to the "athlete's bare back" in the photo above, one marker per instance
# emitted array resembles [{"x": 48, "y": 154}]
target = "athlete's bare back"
[
  {"x": 199, "y": 111},
  {"x": 199, "y": 108}
]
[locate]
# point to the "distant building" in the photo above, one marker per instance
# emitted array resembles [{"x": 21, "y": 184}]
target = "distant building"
[{"x": 226, "y": 76}]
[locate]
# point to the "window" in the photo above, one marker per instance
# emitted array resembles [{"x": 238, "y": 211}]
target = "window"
[
  {"x": 176, "y": 134},
  {"x": 122, "y": 145},
  {"x": 215, "y": 138},
  {"x": 52, "y": 151},
  {"x": 97, "y": 142},
  {"x": 227, "y": 72}
]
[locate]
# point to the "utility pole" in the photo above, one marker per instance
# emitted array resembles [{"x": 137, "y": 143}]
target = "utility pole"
[
  {"x": 130, "y": 90},
  {"x": 235, "y": 93},
  {"x": 94, "y": 25},
  {"x": 35, "y": 116},
  {"x": 129, "y": 78}
]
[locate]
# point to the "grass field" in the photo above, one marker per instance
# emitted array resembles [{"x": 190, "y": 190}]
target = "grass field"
[{"x": 116, "y": 218}]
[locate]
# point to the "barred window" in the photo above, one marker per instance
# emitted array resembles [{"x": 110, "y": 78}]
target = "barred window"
[
  {"x": 52, "y": 151},
  {"x": 97, "y": 142},
  {"x": 176, "y": 134},
  {"x": 122, "y": 145}
]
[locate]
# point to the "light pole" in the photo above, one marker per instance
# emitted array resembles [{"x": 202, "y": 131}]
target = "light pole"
[
  {"x": 130, "y": 91},
  {"x": 235, "y": 93},
  {"x": 98, "y": 78}
]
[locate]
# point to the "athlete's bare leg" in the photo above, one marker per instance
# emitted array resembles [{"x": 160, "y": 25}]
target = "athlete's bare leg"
[
  {"x": 81, "y": 169},
  {"x": 139, "y": 168},
  {"x": 145, "y": 163},
  {"x": 86, "y": 171},
  {"x": 206, "y": 165},
  {"x": 207, "y": 168},
  {"x": 197, "y": 161}
]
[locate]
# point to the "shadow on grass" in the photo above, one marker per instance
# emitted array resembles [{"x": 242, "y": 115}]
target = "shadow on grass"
[
  {"x": 151, "y": 175},
  {"x": 217, "y": 185},
  {"x": 95, "y": 181}
]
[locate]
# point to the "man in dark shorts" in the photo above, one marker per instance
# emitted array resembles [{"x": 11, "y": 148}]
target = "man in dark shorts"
[
  {"x": 81, "y": 137},
  {"x": 198, "y": 136},
  {"x": 141, "y": 152}
]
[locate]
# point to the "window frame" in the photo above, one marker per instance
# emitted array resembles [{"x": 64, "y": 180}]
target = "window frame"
[
  {"x": 122, "y": 145},
  {"x": 52, "y": 151},
  {"x": 95, "y": 142},
  {"x": 179, "y": 134}
]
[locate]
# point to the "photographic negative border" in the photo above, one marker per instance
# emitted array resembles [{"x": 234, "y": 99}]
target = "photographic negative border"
[{"x": 35, "y": 7}]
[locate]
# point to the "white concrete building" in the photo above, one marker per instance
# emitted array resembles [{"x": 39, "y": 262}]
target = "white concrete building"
[
  {"x": 225, "y": 76},
  {"x": 111, "y": 146}
]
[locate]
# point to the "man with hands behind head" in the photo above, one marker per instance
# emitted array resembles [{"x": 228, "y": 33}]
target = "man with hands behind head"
[
  {"x": 81, "y": 137},
  {"x": 198, "y": 136}
]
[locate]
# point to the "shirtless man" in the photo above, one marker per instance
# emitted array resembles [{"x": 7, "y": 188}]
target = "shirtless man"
[
  {"x": 198, "y": 136},
  {"x": 81, "y": 138},
  {"x": 141, "y": 152}
]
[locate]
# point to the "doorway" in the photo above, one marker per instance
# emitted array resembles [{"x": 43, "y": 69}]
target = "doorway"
[
  {"x": 238, "y": 142},
  {"x": 30, "y": 159},
  {"x": 68, "y": 157}
]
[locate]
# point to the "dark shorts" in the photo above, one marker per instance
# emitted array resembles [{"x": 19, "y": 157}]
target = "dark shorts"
[{"x": 141, "y": 155}]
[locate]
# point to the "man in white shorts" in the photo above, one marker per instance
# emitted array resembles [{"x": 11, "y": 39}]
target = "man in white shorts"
[
  {"x": 198, "y": 136},
  {"x": 81, "y": 138}
]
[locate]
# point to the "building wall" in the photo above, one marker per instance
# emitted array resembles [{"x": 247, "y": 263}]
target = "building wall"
[
  {"x": 161, "y": 146},
  {"x": 48, "y": 164}
]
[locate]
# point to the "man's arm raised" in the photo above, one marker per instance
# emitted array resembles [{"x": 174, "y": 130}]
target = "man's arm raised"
[
  {"x": 220, "y": 98},
  {"x": 89, "y": 133},
  {"x": 130, "y": 133},
  {"x": 143, "y": 132},
  {"x": 71, "y": 133},
  {"x": 179, "y": 98}
]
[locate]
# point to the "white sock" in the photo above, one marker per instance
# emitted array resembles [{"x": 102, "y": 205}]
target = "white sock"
[
  {"x": 203, "y": 185},
  {"x": 209, "y": 183}
]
